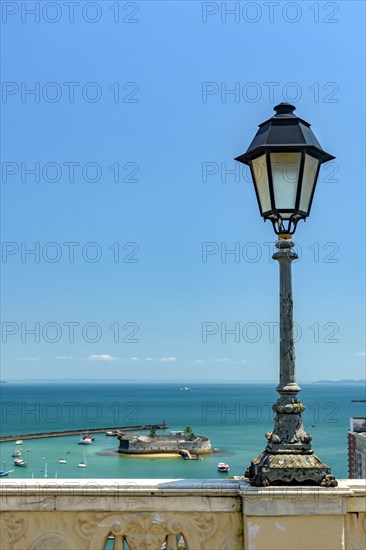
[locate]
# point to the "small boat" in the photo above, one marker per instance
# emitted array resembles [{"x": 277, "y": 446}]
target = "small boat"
[
  {"x": 19, "y": 442},
  {"x": 111, "y": 433},
  {"x": 86, "y": 440},
  {"x": 63, "y": 459},
  {"x": 4, "y": 473},
  {"x": 223, "y": 467},
  {"x": 17, "y": 453},
  {"x": 185, "y": 389},
  {"x": 83, "y": 463},
  {"x": 20, "y": 462}
]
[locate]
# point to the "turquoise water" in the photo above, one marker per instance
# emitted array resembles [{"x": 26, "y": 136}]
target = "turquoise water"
[{"x": 234, "y": 416}]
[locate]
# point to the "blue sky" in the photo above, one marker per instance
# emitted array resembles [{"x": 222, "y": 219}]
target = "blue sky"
[{"x": 131, "y": 132}]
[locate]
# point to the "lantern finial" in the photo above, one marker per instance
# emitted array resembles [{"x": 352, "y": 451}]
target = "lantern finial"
[{"x": 284, "y": 109}]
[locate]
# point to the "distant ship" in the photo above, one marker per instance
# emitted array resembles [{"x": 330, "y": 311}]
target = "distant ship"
[{"x": 185, "y": 389}]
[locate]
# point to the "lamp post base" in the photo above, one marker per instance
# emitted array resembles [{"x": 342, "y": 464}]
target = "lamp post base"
[{"x": 286, "y": 468}]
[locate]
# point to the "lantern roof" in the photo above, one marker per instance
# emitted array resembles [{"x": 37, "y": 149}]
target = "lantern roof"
[{"x": 285, "y": 131}]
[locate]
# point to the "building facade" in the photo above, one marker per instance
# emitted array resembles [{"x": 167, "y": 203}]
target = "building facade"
[{"x": 357, "y": 449}]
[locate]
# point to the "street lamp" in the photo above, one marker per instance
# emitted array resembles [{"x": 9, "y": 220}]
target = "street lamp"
[{"x": 284, "y": 159}]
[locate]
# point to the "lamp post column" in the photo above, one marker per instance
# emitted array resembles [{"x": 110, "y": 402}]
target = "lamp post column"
[
  {"x": 288, "y": 435},
  {"x": 288, "y": 457},
  {"x": 285, "y": 256}
]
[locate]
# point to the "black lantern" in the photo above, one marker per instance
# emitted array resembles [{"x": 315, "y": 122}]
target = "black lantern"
[{"x": 284, "y": 159}]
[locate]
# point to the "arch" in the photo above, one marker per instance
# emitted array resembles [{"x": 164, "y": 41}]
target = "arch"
[
  {"x": 57, "y": 541},
  {"x": 116, "y": 542},
  {"x": 175, "y": 542}
]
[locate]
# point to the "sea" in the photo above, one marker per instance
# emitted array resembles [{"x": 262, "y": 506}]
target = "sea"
[{"x": 235, "y": 417}]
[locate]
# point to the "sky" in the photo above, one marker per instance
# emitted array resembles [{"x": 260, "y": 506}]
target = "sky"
[{"x": 132, "y": 244}]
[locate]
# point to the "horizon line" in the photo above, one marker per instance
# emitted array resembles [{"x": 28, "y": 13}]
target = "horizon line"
[{"x": 175, "y": 381}]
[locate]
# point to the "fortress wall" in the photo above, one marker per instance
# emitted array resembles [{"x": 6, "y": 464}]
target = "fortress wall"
[{"x": 164, "y": 445}]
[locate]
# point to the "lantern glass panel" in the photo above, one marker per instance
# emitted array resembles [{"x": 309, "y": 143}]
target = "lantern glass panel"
[
  {"x": 259, "y": 168},
  {"x": 285, "y": 176},
  {"x": 310, "y": 170}
]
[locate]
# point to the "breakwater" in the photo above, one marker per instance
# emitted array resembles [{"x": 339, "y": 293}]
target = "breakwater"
[{"x": 41, "y": 435}]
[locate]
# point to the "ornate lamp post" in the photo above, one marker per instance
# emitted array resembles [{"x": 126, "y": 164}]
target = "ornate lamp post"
[{"x": 284, "y": 158}]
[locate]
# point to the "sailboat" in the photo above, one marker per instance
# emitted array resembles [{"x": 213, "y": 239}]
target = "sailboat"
[
  {"x": 83, "y": 463},
  {"x": 63, "y": 459}
]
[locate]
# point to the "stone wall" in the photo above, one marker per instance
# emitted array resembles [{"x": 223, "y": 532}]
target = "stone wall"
[{"x": 208, "y": 514}]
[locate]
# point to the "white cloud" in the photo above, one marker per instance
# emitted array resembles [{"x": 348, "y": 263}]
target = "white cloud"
[
  {"x": 223, "y": 360},
  {"x": 158, "y": 360},
  {"x": 198, "y": 361},
  {"x": 361, "y": 353},
  {"x": 102, "y": 357},
  {"x": 64, "y": 357},
  {"x": 36, "y": 358}
]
